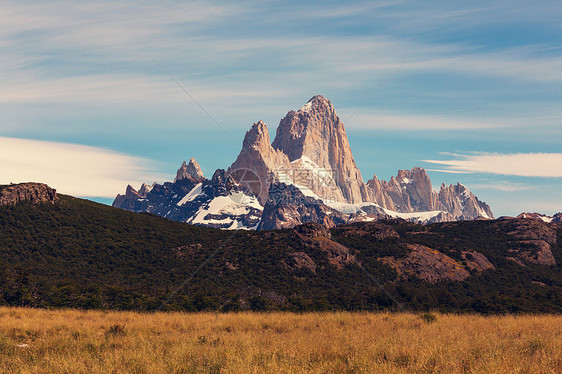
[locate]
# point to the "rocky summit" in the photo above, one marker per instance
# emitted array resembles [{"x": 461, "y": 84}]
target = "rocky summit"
[
  {"x": 191, "y": 170},
  {"x": 316, "y": 136},
  {"x": 310, "y": 167}
]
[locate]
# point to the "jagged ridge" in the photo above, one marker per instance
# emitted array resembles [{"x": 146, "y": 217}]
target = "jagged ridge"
[{"x": 310, "y": 152}]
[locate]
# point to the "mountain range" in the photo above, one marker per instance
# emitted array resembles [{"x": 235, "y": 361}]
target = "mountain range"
[{"x": 307, "y": 174}]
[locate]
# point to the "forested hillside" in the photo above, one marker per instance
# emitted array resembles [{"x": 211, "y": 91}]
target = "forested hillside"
[{"x": 77, "y": 253}]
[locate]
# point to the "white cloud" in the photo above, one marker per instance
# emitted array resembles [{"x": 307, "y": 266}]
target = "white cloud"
[
  {"x": 72, "y": 169},
  {"x": 371, "y": 121},
  {"x": 115, "y": 89},
  {"x": 504, "y": 186},
  {"x": 546, "y": 165}
]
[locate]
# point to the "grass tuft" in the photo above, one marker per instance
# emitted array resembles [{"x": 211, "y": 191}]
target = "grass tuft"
[
  {"x": 116, "y": 330},
  {"x": 428, "y": 317}
]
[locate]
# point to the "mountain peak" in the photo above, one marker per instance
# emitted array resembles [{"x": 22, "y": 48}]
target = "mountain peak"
[
  {"x": 257, "y": 136},
  {"x": 317, "y": 103},
  {"x": 189, "y": 171},
  {"x": 320, "y": 100},
  {"x": 315, "y": 131}
]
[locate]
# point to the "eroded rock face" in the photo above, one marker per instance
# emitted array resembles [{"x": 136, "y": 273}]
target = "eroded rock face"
[
  {"x": 462, "y": 203},
  {"x": 377, "y": 192},
  {"x": 411, "y": 191},
  {"x": 34, "y": 193},
  {"x": 300, "y": 260}
]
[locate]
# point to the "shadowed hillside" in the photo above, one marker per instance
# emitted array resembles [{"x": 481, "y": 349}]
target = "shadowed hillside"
[{"x": 76, "y": 253}]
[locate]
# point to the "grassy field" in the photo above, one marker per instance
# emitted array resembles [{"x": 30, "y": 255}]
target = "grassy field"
[{"x": 70, "y": 341}]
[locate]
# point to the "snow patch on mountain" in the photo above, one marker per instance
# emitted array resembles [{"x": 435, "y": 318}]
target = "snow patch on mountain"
[
  {"x": 419, "y": 216},
  {"x": 196, "y": 191},
  {"x": 361, "y": 209},
  {"x": 228, "y": 211},
  {"x": 306, "y": 107}
]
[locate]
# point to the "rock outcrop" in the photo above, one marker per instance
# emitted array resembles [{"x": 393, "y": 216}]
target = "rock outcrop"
[
  {"x": 477, "y": 261},
  {"x": 34, "y": 193},
  {"x": 317, "y": 236},
  {"x": 428, "y": 265},
  {"x": 531, "y": 240},
  {"x": 411, "y": 191},
  {"x": 377, "y": 192},
  {"x": 462, "y": 203}
]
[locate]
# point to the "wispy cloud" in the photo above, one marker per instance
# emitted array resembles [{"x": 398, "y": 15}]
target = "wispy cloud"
[
  {"x": 72, "y": 169},
  {"x": 374, "y": 121},
  {"x": 61, "y": 40},
  {"x": 116, "y": 89},
  {"x": 504, "y": 186},
  {"x": 546, "y": 165}
]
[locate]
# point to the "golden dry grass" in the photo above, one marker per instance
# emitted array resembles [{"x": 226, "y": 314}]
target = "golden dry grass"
[{"x": 70, "y": 341}]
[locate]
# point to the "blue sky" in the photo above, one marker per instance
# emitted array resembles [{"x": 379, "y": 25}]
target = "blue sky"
[{"x": 470, "y": 91}]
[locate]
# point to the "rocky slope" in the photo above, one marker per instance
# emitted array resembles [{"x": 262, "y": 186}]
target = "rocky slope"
[
  {"x": 34, "y": 193},
  {"x": 310, "y": 152}
]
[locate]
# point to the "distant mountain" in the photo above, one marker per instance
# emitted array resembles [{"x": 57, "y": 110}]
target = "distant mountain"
[
  {"x": 543, "y": 217},
  {"x": 189, "y": 171},
  {"x": 310, "y": 152},
  {"x": 219, "y": 202},
  {"x": 59, "y": 251}
]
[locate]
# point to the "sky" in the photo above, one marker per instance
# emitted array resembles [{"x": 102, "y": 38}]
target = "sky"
[{"x": 98, "y": 95}]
